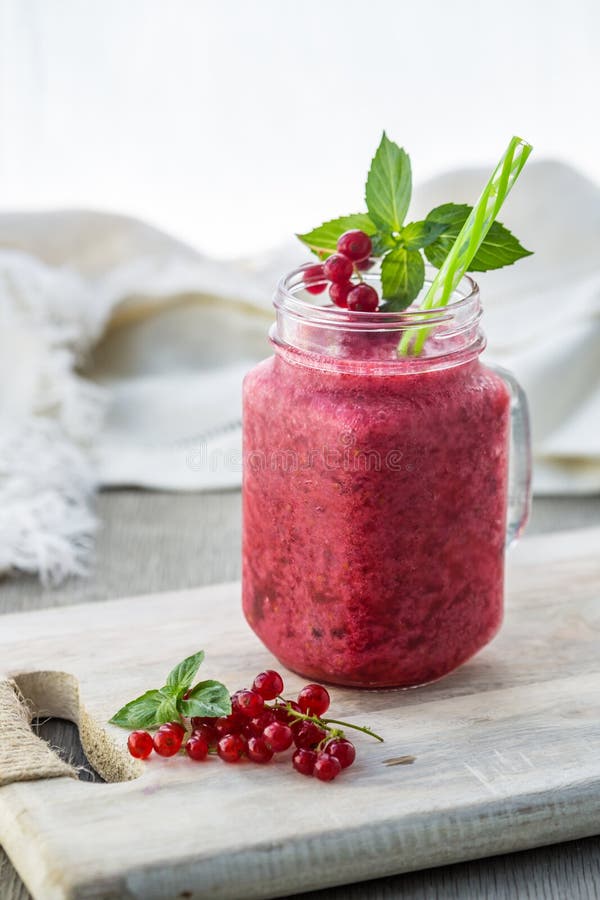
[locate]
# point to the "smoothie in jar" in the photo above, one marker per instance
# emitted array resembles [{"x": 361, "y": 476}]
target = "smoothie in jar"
[{"x": 374, "y": 503}]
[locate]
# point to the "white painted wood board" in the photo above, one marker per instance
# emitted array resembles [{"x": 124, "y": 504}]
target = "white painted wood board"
[{"x": 507, "y": 750}]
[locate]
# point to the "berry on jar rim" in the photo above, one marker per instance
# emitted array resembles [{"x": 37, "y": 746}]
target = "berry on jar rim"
[
  {"x": 314, "y": 700},
  {"x": 339, "y": 293},
  {"x": 355, "y": 244},
  {"x": 338, "y": 268},
  {"x": 363, "y": 298},
  {"x": 139, "y": 744},
  {"x": 314, "y": 274},
  {"x": 268, "y": 684},
  {"x": 365, "y": 264}
]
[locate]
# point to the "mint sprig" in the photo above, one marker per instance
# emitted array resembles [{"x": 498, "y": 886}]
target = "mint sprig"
[
  {"x": 500, "y": 247},
  {"x": 176, "y": 698},
  {"x": 400, "y": 247}
]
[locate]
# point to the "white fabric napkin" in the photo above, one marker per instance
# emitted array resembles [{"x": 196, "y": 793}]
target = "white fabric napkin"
[{"x": 122, "y": 352}]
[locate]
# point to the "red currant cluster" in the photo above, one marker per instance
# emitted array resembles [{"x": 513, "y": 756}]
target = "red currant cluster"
[
  {"x": 257, "y": 730},
  {"x": 352, "y": 257}
]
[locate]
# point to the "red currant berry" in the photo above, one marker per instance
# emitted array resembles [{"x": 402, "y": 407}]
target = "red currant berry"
[
  {"x": 196, "y": 748},
  {"x": 343, "y": 750},
  {"x": 177, "y": 727},
  {"x": 232, "y": 747},
  {"x": 232, "y": 724},
  {"x": 268, "y": 684},
  {"x": 197, "y": 721},
  {"x": 278, "y": 737},
  {"x": 308, "y": 734},
  {"x": 339, "y": 293},
  {"x": 365, "y": 264},
  {"x": 326, "y": 767},
  {"x": 234, "y": 701},
  {"x": 207, "y": 733},
  {"x": 313, "y": 700},
  {"x": 140, "y": 744},
  {"x": 304, "y": 761},
  {"x": 258, "y": 751},
  {"x": 167, "y": 742},
  {"x": 363, "y": 298},
  {"x": 282, "y": 713},
  {"x": 338, "y": 268},
  {"x": 249, "y": 703},
  {"x": 255, "y": 727},
  {"x": 355, "y": 244},
  {"x": 312, "y": 274}
]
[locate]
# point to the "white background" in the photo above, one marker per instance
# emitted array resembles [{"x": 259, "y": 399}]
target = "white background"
[{"x": 234, "y": 124}]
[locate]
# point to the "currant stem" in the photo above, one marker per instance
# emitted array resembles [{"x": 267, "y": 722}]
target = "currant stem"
[
  {"x": 364, "y": 729},
  {"x": 318, "y": 721}
]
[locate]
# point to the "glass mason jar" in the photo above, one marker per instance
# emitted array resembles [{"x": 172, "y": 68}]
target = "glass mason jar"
[{"x": 378, "y": 493}]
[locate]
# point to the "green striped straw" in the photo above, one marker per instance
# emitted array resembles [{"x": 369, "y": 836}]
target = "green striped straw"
[{"x": 469, "y": 239}]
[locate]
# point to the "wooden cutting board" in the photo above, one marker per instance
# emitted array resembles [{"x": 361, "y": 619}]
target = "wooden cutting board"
[{"x": 507, "y": 750}]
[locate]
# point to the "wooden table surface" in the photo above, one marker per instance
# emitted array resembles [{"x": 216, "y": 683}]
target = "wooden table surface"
[{"x": 155, "y": 542}]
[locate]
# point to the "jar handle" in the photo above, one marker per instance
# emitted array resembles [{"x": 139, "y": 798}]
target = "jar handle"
[{"x": 519, "y": 467}]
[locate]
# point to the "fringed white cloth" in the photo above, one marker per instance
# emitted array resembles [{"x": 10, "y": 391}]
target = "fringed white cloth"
[{"x": 49, "y": 416}]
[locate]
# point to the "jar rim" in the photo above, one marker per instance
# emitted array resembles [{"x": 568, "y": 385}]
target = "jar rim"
[{"x": 465, "y": 295}]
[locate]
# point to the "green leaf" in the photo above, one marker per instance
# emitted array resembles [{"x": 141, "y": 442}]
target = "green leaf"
[
  {"x": 382, "y": 243},
  {"x": 143, "y": 712},
  {"x": 402, "y": 277},
  {"x": 389, "y": 186},
  {"x": 180, "y": 678},
  {"x": 420, "y": 234},
  {"x": 167, "y": 711},
  {"x": 207, "y": 698},
  {"x": 323, "y": 240},
  {"x": 499, "y": 248}
]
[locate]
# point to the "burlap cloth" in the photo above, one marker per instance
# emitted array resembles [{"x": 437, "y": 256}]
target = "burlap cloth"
[{"x": 26, "y": 757}]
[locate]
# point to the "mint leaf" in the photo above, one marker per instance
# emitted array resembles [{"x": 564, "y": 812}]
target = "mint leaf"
[
  {"x": 382, "y": 243},
  {"x": 420, "y": 234},
  {"x": 499, "y": 248},
  {"x": 143, "y": 712},
  {"x": 167, "y": 711},
  {"x": 207, "y": 698},
  {"x": 323, "y": 240},
  {"x": 180, "y": 678},
  {"x": 402, "y": 277},
  {"x": 389, "y": 186}
]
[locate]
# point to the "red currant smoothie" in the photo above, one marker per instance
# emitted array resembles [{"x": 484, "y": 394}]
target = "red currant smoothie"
[{"x": 375, "y": 495}]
